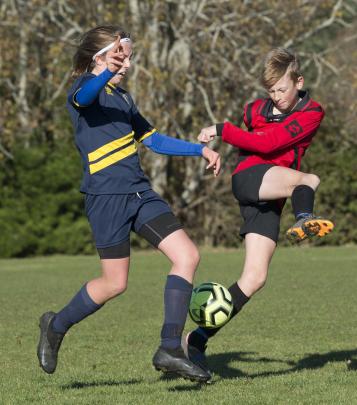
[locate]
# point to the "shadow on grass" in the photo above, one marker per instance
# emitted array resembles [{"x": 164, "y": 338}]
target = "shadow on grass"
[
  {"x": 88, "y": 384},
  {"x": 183, "y": 388},
  {"x": 220, "y": 363},
  {"x": 195, "y": 386}
]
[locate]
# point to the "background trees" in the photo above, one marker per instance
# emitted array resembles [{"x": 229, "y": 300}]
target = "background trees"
[{"x": 195, "y": 63}]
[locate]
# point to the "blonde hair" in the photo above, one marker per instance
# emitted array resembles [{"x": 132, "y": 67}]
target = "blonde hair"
[
  {"x": 277, "y": 63},
  {"x": 90, "y": 43}
]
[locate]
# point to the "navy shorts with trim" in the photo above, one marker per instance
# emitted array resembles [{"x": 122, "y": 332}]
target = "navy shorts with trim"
[
  {"x": 113, "y": 216},
  {"x": 261, "y": 217}
]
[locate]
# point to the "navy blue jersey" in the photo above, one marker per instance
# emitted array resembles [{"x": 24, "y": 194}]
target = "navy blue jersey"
[{"x": 106, "y": 133}]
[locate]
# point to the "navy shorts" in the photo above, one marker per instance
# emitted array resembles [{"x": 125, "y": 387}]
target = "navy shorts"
[
  {"x": 261, "y": 217},
  {"x": 113, "y": 216}
]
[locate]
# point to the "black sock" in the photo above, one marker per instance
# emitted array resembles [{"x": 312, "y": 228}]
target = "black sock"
[
  {"x": 199, "y": 336},
  {"x": 176, "y": 299},
  {"x": 302, "y": 200},
  {"x": 79, "y": 308}
]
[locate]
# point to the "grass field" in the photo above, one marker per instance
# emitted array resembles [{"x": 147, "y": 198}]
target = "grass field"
[{"x": 294, "y": 343}]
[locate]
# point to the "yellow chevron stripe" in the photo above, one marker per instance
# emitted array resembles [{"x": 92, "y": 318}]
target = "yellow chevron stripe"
[
  {"x": 111, "y": 159},
  {"x": 74, "y": 98},
  {"x": 109, "y": 147},
  {"x": 146, "y": 135}
]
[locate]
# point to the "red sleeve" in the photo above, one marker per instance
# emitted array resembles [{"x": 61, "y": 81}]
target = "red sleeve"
[
  {"x": 250, "y": 110},
  {"x": 276, "y": 135},
  {"x": 247, "y": 116}
]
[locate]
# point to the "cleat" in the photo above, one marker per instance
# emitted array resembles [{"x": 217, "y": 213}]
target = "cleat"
[
  {"x": 309, "y": 227},
  {"x": 175, "y": 361},
  {"x": 316, "y": 226},
  {"x": 49, "y": 344},
  {"x": 297, "y": 233},
  {"x": 195, "y": 355}
]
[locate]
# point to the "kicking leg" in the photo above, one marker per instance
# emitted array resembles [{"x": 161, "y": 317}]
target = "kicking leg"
[
  {"x": 253, "y": 278},
  {"x": 281, "y": 182}
]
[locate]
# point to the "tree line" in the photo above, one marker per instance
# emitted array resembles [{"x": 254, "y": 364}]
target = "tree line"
[{"x": 195, "y": 63}]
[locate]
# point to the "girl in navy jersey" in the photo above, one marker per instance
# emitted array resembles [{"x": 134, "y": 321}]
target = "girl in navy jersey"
[
  {"x": 280, "y": 129},
  {"x": 119, "y": 199}
]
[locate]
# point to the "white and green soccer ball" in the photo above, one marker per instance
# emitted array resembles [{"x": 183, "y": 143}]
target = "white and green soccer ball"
[{"x": 211, "y": 305}]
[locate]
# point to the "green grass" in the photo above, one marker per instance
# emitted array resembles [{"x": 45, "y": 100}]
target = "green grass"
[{"x": 294, "y": 343}]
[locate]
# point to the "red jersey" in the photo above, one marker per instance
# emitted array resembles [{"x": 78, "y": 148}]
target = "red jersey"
[{"x": 280, "y": 139}]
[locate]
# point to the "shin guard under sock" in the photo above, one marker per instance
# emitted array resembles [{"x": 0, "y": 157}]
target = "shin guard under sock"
[
  {"x": 78, "y": 308},
  {"x": 176, "y": 300}
]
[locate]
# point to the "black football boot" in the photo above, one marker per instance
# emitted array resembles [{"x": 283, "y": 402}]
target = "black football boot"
[
  {"x": 49, "y": 344},
  {"x": 175, "y": 361}
]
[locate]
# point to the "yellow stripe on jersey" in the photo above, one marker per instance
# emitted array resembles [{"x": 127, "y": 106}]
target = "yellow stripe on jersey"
[
  {"x": 109, "y": 147},
  {"x": 111, "y": 159},
  {"x": 74, "y": 98},
  {"x": 146, "y": 135}
]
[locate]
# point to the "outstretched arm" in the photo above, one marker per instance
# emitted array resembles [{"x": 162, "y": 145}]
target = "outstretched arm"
[
  {"x": 279, "y": 136},
  {"x": 266, "y": 140},
  {"x": 167, "y": 145}
]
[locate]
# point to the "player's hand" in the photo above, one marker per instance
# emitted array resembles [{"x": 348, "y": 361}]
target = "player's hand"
[
  {"x": 114, "y": 58},
  {"x": 207, "y": 134},
  {"x": 213, "y": 158}
]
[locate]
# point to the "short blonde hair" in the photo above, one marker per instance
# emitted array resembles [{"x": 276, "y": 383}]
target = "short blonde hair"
[{"x": 277, "y": 63}]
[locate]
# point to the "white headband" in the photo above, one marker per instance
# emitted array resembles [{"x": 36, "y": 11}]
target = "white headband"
[{"x": 110, "y": 46}]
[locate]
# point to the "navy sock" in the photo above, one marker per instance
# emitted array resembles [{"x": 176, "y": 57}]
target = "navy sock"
[
  {"x": 176, "y": 300},
  {"x": 302, "y": 200},
  {"x": 199, "y": 336},
  {"x": 78, "y": 308}
]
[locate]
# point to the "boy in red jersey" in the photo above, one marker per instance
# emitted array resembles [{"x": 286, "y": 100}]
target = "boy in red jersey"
[{"x": 280, "y": 129}]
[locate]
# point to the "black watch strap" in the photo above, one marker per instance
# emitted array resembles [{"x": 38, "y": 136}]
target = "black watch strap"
[{"x": 219, "y": 129}]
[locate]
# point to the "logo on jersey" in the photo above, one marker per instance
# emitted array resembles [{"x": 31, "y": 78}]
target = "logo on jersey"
[
  {"x": 294, "y": 128},
  {"x": 108, "y": 90},
  {"x": 126, "y": 98}
]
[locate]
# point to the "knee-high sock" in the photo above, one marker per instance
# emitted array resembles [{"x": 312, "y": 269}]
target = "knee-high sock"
[
  {"x": 199, "y": 336},
  {"x": 302, "y": 200},
  {"x": 75, "y": 311},
  {"x": 176, "y": 300}
]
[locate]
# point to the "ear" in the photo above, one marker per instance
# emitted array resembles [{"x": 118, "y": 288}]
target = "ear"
[
  {"x": 300, "y": 82},
  {"x": 100, "y": 61}
]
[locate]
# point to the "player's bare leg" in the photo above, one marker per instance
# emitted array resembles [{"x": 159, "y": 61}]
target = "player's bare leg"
[
  {"x": 255, "y": 269},
  {"x": 252, "y": 279},
  {"x": 281, "y": 182}
]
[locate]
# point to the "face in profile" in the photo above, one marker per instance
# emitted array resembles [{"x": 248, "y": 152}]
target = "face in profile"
[
  {"x": 285, "y": 92},
  {"x": 128, "y": 53}
]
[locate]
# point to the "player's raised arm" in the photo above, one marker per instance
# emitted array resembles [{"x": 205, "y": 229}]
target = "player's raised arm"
[{"x": 115, "y": 56}]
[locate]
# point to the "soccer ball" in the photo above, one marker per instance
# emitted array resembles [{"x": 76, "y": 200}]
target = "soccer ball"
[{"x": 211, "y": 305}]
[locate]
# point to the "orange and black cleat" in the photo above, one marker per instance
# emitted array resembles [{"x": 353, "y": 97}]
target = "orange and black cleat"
[
  {"x": 309, "y": 227},
  {"x": 317, "y": 226},
  {"x": 296, "y": 233}
]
